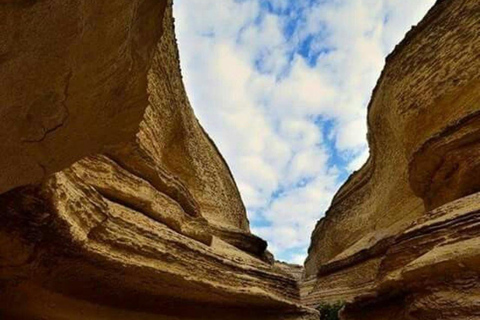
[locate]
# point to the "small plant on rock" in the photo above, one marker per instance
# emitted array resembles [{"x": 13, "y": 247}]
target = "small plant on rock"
[{"x": 329, "y": 311}]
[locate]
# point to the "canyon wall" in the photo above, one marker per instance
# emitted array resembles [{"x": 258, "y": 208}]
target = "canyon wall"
[
  {"x": 115, "y": 204},
  {"x": 147, "y": 223},
  {"x": 400, "y": 240},
  {"x": 74, "y": 79}
]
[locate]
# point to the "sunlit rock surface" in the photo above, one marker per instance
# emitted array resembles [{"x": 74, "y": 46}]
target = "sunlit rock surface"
[{"x": 400, "y": 239}]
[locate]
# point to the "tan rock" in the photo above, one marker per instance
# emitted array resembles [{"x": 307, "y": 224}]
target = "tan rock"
[
  {"x": 118, "y": 207},
  {"x": 73, "y": 80},
  {"x": 399, "y": 240},
  {"x": 152, "y": 228}
]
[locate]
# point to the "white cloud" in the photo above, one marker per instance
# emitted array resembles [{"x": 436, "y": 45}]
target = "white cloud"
[
  {"x": 358, "y": 161},
  {"x": 260, "y": 81},
  {"x": 298, "y": 258},
  {"x": 353, "y": 134}
]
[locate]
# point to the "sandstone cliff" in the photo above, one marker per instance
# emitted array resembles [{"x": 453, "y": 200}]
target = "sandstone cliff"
[
  {"x": 73, "y": 77},
  {"x": 150, "y": 225},
  {"x": 399, "y": 240},
  {"x": 115, "y": 204}
]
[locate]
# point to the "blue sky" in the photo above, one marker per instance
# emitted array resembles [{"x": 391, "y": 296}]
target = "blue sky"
[{"x": 282, "y": 87}]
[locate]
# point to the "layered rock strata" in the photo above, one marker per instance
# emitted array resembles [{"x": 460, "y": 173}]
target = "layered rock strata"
[
  {"x": 152, "y": 227},
  {"x": 399, "y": 240},
  {"x": 115, "y": 204}
]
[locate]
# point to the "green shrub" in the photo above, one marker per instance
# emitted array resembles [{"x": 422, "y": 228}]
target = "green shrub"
[{"x": 330, "y": 311}]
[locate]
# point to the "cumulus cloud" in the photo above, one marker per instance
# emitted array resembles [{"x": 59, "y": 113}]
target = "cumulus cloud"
[{"x": 282, "y": 87}]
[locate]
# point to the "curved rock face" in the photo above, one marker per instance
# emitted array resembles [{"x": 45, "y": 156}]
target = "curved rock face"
[
  {"x": 152, "y": 227},
  {"x": 73, "y": 80},
  {"x": 115, "y": 204},
  {"x": 400, "y": 226}
]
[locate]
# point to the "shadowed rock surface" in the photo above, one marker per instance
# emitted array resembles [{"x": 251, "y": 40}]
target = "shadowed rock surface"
[
  {"x": 400, "y": 240},
  {"x": 73, "y": 77}
]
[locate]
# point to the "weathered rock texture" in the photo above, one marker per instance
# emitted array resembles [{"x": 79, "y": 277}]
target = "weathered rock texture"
[
  {"x": 115, "y": 204},
  {"x": 400, "y": 240},
  {"x": 151, "y": 227},
  {"x": 73, "y": 80}
]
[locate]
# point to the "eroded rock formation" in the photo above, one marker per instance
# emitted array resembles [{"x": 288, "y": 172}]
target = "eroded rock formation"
[
  {"x": 73, "y": 80},
  {"x": 150, "y": 225},
  {"x": 115, "y": 204},
  {"x": 400, "y": 240}
]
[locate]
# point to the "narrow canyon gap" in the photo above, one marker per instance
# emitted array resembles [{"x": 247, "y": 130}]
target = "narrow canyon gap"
[
  {"x": 116, "y": 204},
  {"x": 282, "y": 88}
]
